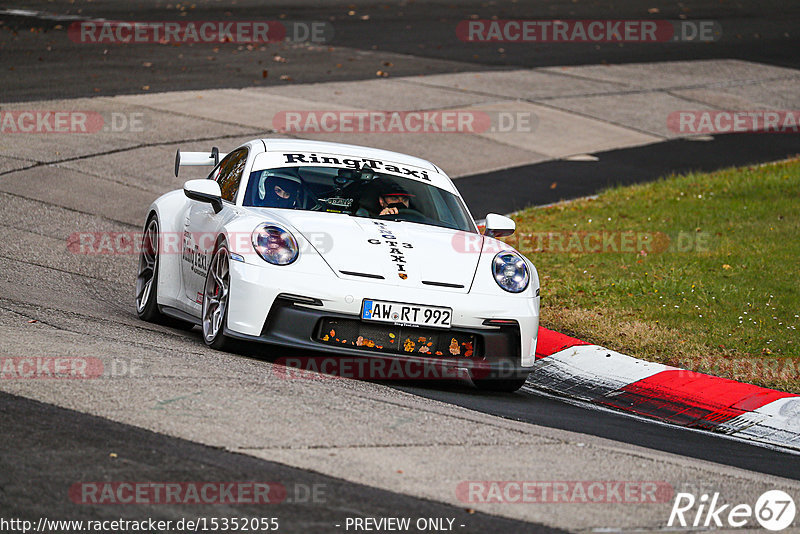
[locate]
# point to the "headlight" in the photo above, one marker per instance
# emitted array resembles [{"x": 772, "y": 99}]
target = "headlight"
[
  {"x": 510, "y": 272},
  {"x": 274, "y": 244}
]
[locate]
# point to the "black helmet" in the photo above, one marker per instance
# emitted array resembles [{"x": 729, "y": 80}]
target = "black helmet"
[{"x": 389, "y": 188}]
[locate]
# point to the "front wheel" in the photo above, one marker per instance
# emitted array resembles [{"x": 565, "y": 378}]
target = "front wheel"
[{"x": 215, "y": 299}]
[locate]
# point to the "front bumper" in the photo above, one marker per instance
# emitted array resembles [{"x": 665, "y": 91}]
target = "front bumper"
[
  {"x": 295, "y": 326},
  {"x": 257, "y": 313}
]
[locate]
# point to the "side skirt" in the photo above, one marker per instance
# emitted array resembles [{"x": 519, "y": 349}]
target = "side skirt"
[{"x": 175, "y": 313}]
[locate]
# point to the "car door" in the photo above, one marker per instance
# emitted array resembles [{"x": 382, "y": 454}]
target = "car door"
[{"x": 202, "y": 225}]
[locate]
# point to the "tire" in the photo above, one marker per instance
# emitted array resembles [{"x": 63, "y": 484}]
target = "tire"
[
  {"x": 506, "y": 385},
  {"x": 216, "y": 292},
  {"x": 147, "y": 277}
]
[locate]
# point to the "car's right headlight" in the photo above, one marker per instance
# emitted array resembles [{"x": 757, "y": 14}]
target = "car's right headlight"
[
  {"x": 274, "y": 244},
  {"x": 510, "y": 272}
]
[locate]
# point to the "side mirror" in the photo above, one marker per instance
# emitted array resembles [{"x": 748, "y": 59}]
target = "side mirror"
[
  {"x": 204, "y": 191},
  {"x": 499, "y": 226}
]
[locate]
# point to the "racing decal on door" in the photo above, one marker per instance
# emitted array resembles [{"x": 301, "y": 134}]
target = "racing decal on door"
[{"x": 193, "y": 256}]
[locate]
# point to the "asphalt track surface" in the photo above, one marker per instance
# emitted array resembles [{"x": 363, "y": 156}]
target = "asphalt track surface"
[
  {"x": 399, "y": 38},
  {"x": 540, "y": 409},
  {"x": 513, "y": 189},
  {"x": 47, "y": 448},
  {"x": 77, "y": 446}
]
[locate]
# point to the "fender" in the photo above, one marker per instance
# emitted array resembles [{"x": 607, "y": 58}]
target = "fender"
[{"x": 170, "y": 209}]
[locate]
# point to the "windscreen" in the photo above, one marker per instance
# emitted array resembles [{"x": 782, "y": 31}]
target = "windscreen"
[{"x": 359, "y": 193}]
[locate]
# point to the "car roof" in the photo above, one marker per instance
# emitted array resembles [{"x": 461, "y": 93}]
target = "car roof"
[{"x": 304, "y": 145}]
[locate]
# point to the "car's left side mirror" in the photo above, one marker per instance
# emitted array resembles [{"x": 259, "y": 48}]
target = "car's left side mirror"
[
  {"x": 499, "y": 226},
  {"x": 204, "y": 191}
]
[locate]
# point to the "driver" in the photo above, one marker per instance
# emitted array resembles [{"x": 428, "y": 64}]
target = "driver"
[
  {"x": 392, "y": 198},
  {"x": 279, "y": 191}
]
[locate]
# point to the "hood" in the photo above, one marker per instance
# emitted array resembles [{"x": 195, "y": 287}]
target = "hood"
[{"x": 398, "y": 253}]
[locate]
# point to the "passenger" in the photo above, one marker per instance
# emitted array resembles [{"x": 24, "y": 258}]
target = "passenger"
[{"x": 392, "y": 197}]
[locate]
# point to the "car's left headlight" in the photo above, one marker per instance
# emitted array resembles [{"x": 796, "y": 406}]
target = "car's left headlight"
[
  {"x": 510, "y": 272},
  {"x": 274, "y": 244}
]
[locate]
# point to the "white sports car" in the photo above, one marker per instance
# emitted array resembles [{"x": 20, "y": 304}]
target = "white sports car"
[{"x": 339, "y": 248}]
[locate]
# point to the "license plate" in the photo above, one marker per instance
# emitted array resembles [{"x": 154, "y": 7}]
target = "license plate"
[{"x": 406, "y": 314}]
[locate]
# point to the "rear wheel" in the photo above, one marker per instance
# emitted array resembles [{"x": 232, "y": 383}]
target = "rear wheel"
[
  {"x": 147, "y": 279},
  {"x": 216, "y": 298}
]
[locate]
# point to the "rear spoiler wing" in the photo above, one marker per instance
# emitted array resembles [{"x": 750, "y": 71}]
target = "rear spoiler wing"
[{"x": 197, "y": 159}]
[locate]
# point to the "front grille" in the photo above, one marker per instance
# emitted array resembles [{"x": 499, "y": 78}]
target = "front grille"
[{"x": 397, "y": 339}]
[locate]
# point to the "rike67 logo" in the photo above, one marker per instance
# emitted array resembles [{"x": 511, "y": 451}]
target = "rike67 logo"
[{"x": 774, "y": 510}]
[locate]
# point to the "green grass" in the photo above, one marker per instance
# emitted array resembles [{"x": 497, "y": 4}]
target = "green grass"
[{"x": 715, "y": 288}]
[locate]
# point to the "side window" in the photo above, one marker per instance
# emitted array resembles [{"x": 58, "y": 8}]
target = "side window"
[{"x": 229, "y": 173}]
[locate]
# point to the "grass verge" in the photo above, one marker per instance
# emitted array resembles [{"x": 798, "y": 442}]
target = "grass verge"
[{"x": 700, "y": 271}]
